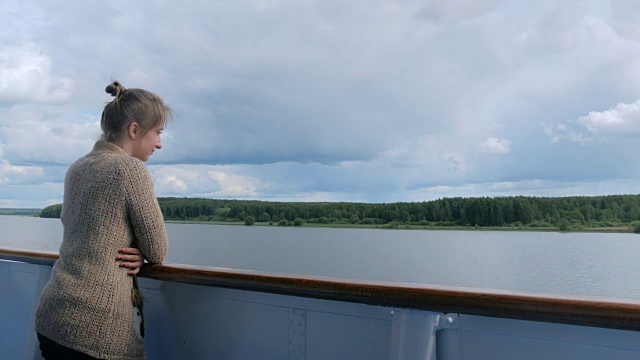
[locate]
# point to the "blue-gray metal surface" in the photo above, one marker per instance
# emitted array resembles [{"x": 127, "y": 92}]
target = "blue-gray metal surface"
[{"x": 199, "y": 322}]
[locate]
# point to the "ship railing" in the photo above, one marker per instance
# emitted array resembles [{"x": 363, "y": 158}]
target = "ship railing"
[
  {"x": 594, "y": 311},
  {"x": 296, "y": 317}
]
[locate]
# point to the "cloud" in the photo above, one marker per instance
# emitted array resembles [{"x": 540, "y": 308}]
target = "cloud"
[
  {"x": 455, "y": 10},
  {"x": 328, "y": 92},
  {"x": 437, "y": 189},
  {"x": 455, "y": 162},
  {"x": 622, "y": 119},
  {"x": 41, "y": 134},
  {"x": 180, "y": 180},
  {"x": 30, "y": 194},
  {"x": 170, "y": 183},
  {"x": 530, "y": 187},
  {"x": 204, "y": 181},
  {"x": 10, "y": 174},
  {"x": 26, "y": 75},
  {"x": 234, "y": 185},
  {"x": 362, "y": 101},
  {"x": 495, "y": 146},
  {"x": 625, "y": 19},
  {"x": 617, "y": 123}
]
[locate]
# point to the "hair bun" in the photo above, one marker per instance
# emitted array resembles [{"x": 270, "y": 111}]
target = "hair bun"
[{"x": 115, "y": 88}]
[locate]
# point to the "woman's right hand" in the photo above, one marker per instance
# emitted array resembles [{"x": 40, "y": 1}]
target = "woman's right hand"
[{"x": 130, "y": 258}]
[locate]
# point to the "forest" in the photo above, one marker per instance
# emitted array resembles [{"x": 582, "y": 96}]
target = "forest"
[
  {"x": 562, "y": 213},
  {"x": 19, "y": 212}
]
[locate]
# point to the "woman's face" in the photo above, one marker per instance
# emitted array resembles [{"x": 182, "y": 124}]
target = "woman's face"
[{"x": 145, "y": 145}]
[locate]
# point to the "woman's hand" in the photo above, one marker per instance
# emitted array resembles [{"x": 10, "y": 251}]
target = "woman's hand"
[{"x": 130, "y": 258}]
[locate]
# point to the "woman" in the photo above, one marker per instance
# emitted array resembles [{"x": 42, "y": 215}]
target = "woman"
[{"x": 112, "y": 222}]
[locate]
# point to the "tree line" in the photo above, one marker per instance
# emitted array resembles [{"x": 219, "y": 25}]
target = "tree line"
[
  {"x": 19, "y": 212},
  {"x": 561, "y": 212}
]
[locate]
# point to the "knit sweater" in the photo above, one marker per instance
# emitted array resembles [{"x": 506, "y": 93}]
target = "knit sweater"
[{"x": 109, "y": 203}]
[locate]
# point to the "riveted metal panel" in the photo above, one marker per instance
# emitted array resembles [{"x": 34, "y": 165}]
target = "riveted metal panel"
[{"x": 297, "y": 334}]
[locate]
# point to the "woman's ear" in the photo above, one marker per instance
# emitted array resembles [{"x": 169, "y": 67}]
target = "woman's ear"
[{"x": 133, "y": 130}]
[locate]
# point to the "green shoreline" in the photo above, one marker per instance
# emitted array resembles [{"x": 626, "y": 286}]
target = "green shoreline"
[
  {"x": 613, "y": 229},
  {"x": 616, "y": 229},
  {"x": 19, "y": 212}
]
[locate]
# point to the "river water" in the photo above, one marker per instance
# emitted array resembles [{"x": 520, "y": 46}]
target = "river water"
[{"x": 568, "y": 263}]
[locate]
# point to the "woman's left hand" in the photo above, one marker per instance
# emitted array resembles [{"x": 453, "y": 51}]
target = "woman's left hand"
[{"x": 130, "y": 258}]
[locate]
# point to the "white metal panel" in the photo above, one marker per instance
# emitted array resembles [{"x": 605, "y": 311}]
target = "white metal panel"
[
  {"x": 197, "y": 322},
  {"x": 480, "y": 338},
  {"x": 203, "y": 326},
  {"x": 21, "y": 285},
  {"x": 339, "y": 336},
  {"x": 191, "y": 321}
]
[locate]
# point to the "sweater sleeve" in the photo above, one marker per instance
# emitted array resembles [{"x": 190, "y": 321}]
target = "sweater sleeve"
[{"x": 144, "y": 212}]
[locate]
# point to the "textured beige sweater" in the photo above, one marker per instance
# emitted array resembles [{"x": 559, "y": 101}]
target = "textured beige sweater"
[{"x": 109, "y": 203}]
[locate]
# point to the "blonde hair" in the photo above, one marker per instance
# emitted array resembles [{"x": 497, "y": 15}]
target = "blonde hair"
[{"x": 129, "y": 105}]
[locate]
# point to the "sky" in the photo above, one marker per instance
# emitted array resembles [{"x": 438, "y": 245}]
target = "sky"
[{"x": 331, "y": 100}]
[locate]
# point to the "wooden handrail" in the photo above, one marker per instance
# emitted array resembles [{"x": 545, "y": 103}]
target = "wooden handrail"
[
  {"x": 31, "y": 257},
  {"x": 567, "y": 309}
]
